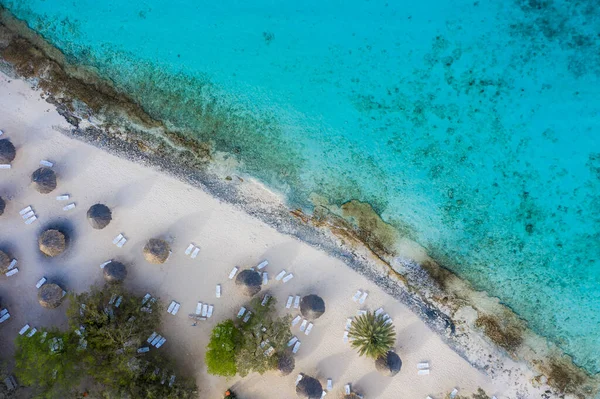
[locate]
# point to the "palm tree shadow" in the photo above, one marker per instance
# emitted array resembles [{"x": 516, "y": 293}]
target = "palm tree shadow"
[
  {"x": 372, "y": 385},
  {"x": 334, "y": 366},
  {"x": 131, "y": 194}
]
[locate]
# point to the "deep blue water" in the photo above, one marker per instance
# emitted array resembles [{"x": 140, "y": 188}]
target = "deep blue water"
[{"x": 471, "y": 126}]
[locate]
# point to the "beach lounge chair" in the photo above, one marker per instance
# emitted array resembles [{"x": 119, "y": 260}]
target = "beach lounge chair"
[
  {"x": 347, "y": 389},
  {"x": 102, "y": 266},
  {"x": 13, "y": 263},
  {"x": 11, "y": 383},
  {"x": 288, "y": 304},
  {"x": 24, "y": 210},
  {"x": 45, "y": 163},
  {"x": 118, "y": 301},
  {"x": 176, "y": 309},
  {"x": 247, "y": 317},
  {"x": 3, "y": 312},
  {"x": 151, "y": 337},
  {"x": 146, "y": 298},
  {"x": 280, "y": 275},
  {"x": 204, "y": 309},
  {"x": 12, "y": 272},
  {"x": 1, "y": 132},
  {"x": 143, "y": 349},
  {"x": 422, "y": 365},
  {"x": 161, "y": 342},
  {"x": 423, "y": 372},
  {"x": 454, "y": 393},
  {"x": 4, "y": 317},
  {"x": 296, "y": 320},
  {"x": 329, "y": 384},
  {"x": 199, "y": 308},
  {"x": 323, "y": 394},
  {"x": 303, "y": 325},
  {"x": 296, "y": 347},
  {"x": 297, "y": 302},
  {"x": 288, "y": 278},
  {"x": 348, "y": 323},
  {"x": 5, "y": 166},
  {"x": 63, "y": 197},
  {"x": 292, "y": 341},
  {"x": 31, "y": 219},
  {"x": 24, "y": 329},
  {"x": 308, "y": 328},
  {"x": 117, "y": 239},
  {"x": 171, "y": 306},
  {"x": 345, "y": 337},
  {"x": 262, "y": 264},
  {"x": 155, "y": 340},
  {"x": 363, "y": 297},
  {"x": 189, "y": 249},
  {"x": 69, "y": 207},
  {"x": 241, "y": 312},
  {"x": 195, "y": 253},
  {"x": 209, "y": 312},
  {"x": 298, "y": 379},
  {"x": 378, "y": 311},
  {"x": 31, "y": 332},
  {"x": 361, "y": 312},
  {"x": 122, "y": 242},
  {"x": 265, "y": 300},
  {"x": 233, "y": 272},
  {"x": 218, "y": 291},
  {"x": 265, "y": 277},
  {"x": 357, "y": 295},
  {"x": 172, "y": 380},
  {"x": 28, "y": 215}
]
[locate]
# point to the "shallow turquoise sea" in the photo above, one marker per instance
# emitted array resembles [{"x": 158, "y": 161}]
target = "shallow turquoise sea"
[{"x": 471, "y": 126}]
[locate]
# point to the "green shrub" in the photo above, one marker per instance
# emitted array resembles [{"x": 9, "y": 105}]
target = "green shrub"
[
  {"x": 372, "y": 335},
  {"x": 222, "y": 347}
]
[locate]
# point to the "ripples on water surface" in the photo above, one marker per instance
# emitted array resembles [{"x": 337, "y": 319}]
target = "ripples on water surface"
[{"x": 471, "y": 126}]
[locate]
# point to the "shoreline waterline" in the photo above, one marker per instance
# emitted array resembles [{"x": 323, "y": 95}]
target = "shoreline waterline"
[{"x": 313, "y": 229}]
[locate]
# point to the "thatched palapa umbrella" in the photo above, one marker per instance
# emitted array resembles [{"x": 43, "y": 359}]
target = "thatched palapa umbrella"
[
  {"x": 388, "y": 364},
  {"x": 353, "y": 395},
  {"x": 2, "y": 206},
  {"x": 99, "y": 216},
  {"x": 312, "y": 306},
  {"x": 309, "y": 387},
  {"x": 7, "y": 151},
  {"x": 249, "y": 282},
  {"x": 44, "y": 180},
  {"x": 4, "y": 262},
  {"x": 52, "y": 242},
  {"x": 50, "y": 295},
  {"x": 115, "y": 272},
  {"x": 285, "y": 364},
  {"x": 157, "y": 251}
]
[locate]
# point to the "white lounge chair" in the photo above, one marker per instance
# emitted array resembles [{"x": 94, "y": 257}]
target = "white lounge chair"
[
  {"x": 28, "y": 215},
  {"x": 378, "y": 311},
  {"x": 155, "y": 340},
  {"x": 361, "y": 312},
  {"x": 308, "y": 328},
  {"x": 247, "y": 317},
  {"x": 25, "y": 210},
  {"x": 189, "y": 249},
  {"x": 262, "y": 264},
  {"x": 5, "y": 166},
  {"x": 288, "y": 304},
  {"x": 45, "y": 163},
  {"x": 454, "y": 393},
  {"x": 297, "y": 302},
  {"x": 345, "y": 337},
  {"x": 241, "y": 312},
  {"x": 423, "y": 365},
  {"x": 176, "y": 309},
  {"x": 280, "y": 275},
  {"x": 199, "y": 308},
  {"x": 348, "y": 323},
  {"x": 363, "y": 297},
  {"x": 69, "y": 207},
  {"x": 12, "y": 272},
  {"x": 161, "y": 342},
  {"x": 296, "y": 347},
  {"x": 171, "y": 306},
  {"x": 143, "y": 349},
  {"x": 151, "y": 337},
  {"x": 288, "y": 278},
  {"x": 265, "y": 277},
  {"x": 24, "y": 329},
  {"x": 4, "y": 317},
  {"x": 357, "y": 295},
  {"x": 146, "y": 298},
  {"x": 303, "y": 325},
  {"x": 195, "y": 253},
  {"x": 3, "y": 312},
  {"x": 218, "y": 291},
  {"x": 296, "y": 320},
  {"x": 323, "y": 394},
  {"x": 104, "y": 264},
  {"x": 298, "y": 379},
  {"x": 63, "y": 197},
  {"x": 31, "y": 332},
  {"x": 329, "y": 384},
  {"x": 204, "y": 309},
  {"x": 13, "y": 263},
  {"x": 118, "y": 301},
  {"x": 233, "y": 272},
  {"x": 117, "y": 239},
  {"x": 265, "y": 300},
  {"x": 423, "y": 372},
  {"x": 122, "y": 242},
  {"x": 31, "y": 219},
  {"x": 292, "y": 341},
  {"x": 347, "y": 389},
  {"x": 209, "y": 312}
]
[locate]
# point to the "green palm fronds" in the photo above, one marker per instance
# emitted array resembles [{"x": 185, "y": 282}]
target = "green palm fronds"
[{"x": 372, "y": 335}]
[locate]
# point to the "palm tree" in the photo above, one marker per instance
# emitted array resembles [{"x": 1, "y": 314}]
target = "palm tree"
[{"x": 372, "y": 335}]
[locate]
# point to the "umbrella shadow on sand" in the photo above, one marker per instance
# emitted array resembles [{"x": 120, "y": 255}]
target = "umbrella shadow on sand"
[{"x": 132, "y": 194}]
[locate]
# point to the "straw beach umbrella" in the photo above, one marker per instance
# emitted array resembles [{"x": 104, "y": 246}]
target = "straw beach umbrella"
[
  {"x": 285, "y": 364},
  {"x": 157, "y": 251},
  {"x": 115, "y": 272},
  {"x": 52, "y": 242},
  {"x": 2, "y": 206},
  {"x": 7, "y": 151},
  {"x": 312, "y": 306},
  {"x": 309, "y": 387},
  {"x": 353, "y": 395},
  {"x": 388, "y": 364},
  {"x": 44, "y": 180},
  {"x": 4, "y": 262},
  {"x": 249, "y": 282},
  {"x": 99, "y": 216},
  {"x": 50, "y": 295}
]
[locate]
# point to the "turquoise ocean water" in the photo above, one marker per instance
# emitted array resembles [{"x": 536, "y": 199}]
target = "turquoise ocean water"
[{"x": 471, "y": 126}]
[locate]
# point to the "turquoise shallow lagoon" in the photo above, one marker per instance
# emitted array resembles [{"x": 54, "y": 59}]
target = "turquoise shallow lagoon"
[{"x": 473, "y": 127}]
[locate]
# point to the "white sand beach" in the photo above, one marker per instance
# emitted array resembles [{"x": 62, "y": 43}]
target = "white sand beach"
[{"x": 147, "y": 204}]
